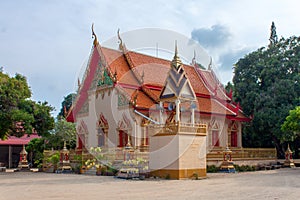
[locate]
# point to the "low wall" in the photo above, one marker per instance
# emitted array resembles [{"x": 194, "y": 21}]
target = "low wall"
[{"x": 242, "y": 155}]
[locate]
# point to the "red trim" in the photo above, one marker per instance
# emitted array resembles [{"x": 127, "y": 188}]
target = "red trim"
[
  {"x": 83, "y": 94},
  {"x": 203, "y": 95},
  {"x": 242, "y": 119},
  {"x": 153, "y": 87}
]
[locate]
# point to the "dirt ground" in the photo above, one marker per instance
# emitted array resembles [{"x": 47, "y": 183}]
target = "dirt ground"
[{"x": 272, "y": 184}]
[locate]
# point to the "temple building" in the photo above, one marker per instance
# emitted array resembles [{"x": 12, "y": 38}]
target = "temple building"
[{"x": 125, "y": 96}]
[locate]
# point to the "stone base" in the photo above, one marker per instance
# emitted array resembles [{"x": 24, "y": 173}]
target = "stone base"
[
  {"x": 179, "y": 173},
  {"x": 227, "y": 166},
  {"x": 64, "y": 169},
  {"x": 289, "y": 164},
  {"x": 23, "y": 166}
]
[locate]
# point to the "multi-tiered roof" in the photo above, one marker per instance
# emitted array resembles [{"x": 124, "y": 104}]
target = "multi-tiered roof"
[{"x": 141, "y": 78}]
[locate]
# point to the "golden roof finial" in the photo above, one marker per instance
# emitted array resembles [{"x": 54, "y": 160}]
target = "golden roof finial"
[
  {"x": 176, "y": 62},
  {"x": 120, "y": 40},
  {"x": 94, "y": 36}
]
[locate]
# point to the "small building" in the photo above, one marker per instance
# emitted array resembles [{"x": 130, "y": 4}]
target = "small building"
[{"x": 11, "y": 147}]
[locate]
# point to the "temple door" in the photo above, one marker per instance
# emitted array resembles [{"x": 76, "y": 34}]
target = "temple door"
[
  {"x": 215, "y": 138},
  {"x": 123, "y": 138},
  {"x": 101, "y": 138},
  {"x": 233, "y": 139}
]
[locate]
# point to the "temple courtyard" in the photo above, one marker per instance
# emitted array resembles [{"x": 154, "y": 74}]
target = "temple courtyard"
[{"x": 270, "y": 184}]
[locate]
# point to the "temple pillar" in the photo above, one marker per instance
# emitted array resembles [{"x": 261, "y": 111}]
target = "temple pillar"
[
  {"x": 9, "y": 156},
  {"x": 193, "y": 116},
  {"x": 177, "y": 116},
  {"x": 160, "y": 112}
]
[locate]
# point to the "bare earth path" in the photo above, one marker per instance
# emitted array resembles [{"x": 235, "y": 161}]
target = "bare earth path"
[{"x": 273, "y": 184}]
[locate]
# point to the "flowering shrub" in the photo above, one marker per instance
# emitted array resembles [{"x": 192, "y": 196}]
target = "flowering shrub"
[{"x": 138, "y": 164}]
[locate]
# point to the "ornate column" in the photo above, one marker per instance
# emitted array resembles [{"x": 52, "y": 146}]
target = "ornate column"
[
  {"x": 177, "y": 116},
  {"x": 160, "y": 112},
  {"x": 193, "y": 116}
]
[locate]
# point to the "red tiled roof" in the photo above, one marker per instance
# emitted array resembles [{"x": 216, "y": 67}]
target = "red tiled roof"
[
  {"x": 134, "y": 69},
  {"x": 213, "y": 84},
  {"x": 25, "y": 139},
  {"x": 213, "y": 106}
]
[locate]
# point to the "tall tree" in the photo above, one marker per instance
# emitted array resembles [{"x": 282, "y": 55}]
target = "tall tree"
[
  {"x": 266, "y": 83},
  {"x": 19, "y": 114},
  {"x": 273, "y": 37},
  {"x": 63, "y": 131},
  {"x": 66, "y": 104}
]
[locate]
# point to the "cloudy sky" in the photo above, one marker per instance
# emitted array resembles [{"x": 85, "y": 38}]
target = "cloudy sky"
[{"x": 50, "y": 41}]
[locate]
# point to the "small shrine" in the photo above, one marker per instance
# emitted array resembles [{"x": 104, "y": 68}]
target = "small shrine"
[
  {"x": 227, "y": 163},
  {"x": 23, "y": 163},
  {"x": 289, "y": 162},
  {"x": 64, "y": 161}
]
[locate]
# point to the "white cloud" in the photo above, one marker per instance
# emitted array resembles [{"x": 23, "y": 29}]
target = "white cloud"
[{"x": 48, "y": 41}]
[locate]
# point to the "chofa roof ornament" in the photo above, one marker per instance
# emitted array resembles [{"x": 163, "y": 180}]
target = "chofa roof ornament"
[
  {"x": 94, "y": 36},
  {"x": 121, "y": 47}
]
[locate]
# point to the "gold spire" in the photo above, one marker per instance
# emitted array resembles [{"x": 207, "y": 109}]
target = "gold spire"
[
  {"x": 94, "y": 36},
  {"x": 176, "y": 62}
]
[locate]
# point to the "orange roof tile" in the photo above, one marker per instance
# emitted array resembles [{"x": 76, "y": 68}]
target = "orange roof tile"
[{"x": 134, "y": 69}]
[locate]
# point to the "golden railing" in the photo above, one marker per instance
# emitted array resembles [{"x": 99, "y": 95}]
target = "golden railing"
[
  {"x": 216, "y": 154},
  {"x": 174, "y": 128}
]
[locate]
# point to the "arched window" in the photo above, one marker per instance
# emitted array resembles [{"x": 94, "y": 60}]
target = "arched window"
[
  {"x": 82, "y": 131},
  {"x": 124, "y": 129},
  {"x": 233, "y": 135},
  {"x": 215, "y": 132},
  {"x": 102, "y": 130}
]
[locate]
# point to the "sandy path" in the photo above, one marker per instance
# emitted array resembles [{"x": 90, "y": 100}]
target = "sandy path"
[{"x": 274, "y": 184}]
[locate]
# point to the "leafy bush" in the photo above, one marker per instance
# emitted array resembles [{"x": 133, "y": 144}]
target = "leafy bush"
[
  {"x": 212, "y": 169},
  {"x": 244, "y": 168}
]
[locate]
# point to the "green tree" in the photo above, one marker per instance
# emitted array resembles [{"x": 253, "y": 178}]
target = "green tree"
[
  {"x": 291, "y": 125},
  {"x": 19, "y": 114},
  {"x": 66, "y": 104},
  {"x": 229, "y": 87},
  {"x": 266, "y": 83},
  {"x": 63, "y": 131},
  {"x": 35, "y": 148}
]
